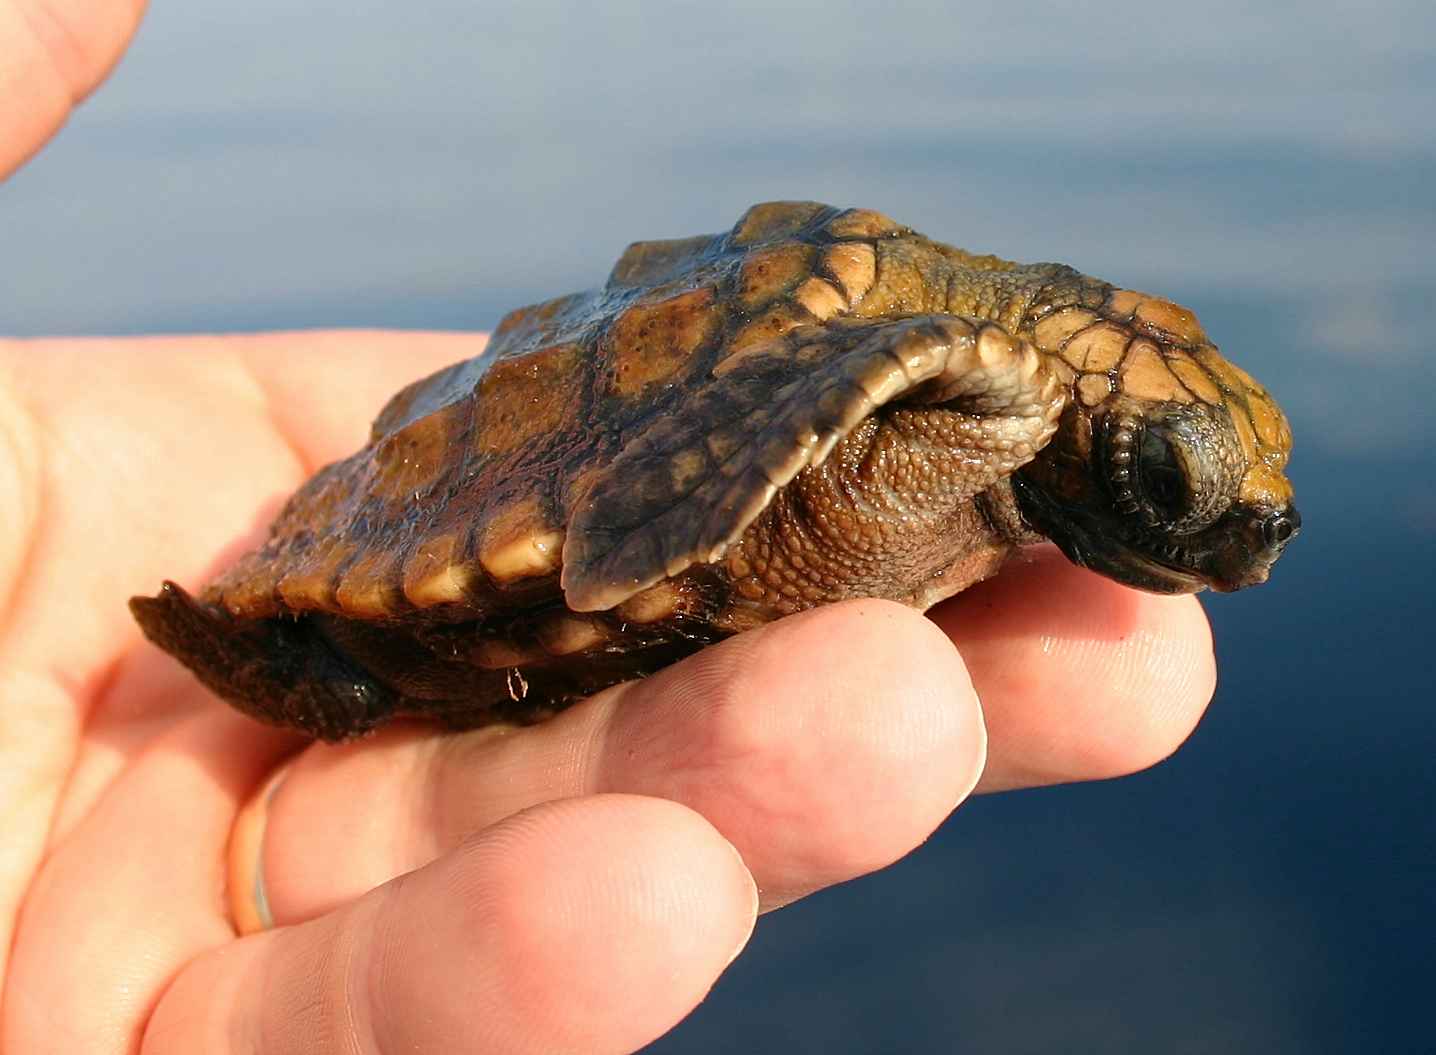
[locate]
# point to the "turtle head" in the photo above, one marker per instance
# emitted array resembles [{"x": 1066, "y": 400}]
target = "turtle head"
[{"x": 1166, "y": 472}]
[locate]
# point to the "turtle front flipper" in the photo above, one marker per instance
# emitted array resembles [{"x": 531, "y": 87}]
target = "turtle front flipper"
[
  {"x": 685, "y": 489},
  {"x": 279, "y": 670}
]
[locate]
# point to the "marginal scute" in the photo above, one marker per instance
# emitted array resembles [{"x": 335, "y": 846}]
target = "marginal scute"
[
  {"x": 311, "y": 583},
  {"x": 369, "y": 588},
  {"x": 660, "y": 601},
  {"x": 650, "y": 343},
  {"x": 567, "y": 634},
  {"x": 820, "y": 298},
  {"x": 756, "y": 344},
  {"x": 775, "y": 219},
  {"x": 435, "y": 572},
  {"x": 249, "y": 589},
  {"x": 498, "y": 653},
  {"x": 1160, "y": 318},
  {"x": 652, "y": 263},
  {"x": 862, "y": 223},
  {"x": 520, "y": 542},
  {"x": 524, "y": 398},
  {"x": 854, "y": 266}
]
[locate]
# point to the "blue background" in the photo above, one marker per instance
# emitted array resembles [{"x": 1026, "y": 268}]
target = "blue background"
[{"x": 1270, "y": 888}]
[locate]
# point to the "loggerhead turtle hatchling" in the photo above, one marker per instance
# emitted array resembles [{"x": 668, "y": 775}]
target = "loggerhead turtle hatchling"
[{"x": 818, "y": 404}]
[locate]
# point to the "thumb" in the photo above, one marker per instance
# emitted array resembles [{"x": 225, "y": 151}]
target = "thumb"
[{"x": 55, "y": 53}]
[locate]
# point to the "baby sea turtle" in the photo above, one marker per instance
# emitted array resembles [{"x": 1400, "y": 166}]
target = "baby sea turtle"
[{"x": 818, "y": 404}]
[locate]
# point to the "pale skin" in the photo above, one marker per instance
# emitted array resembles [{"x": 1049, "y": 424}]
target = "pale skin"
[{"x": 575, "y": 886}]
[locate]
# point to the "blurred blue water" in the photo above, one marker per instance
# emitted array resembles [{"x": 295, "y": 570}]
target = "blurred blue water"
[{"x": 1267, "y": 890}]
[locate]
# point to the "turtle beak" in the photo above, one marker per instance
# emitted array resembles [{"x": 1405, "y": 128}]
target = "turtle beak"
[{"x": 1254, "y": 542}]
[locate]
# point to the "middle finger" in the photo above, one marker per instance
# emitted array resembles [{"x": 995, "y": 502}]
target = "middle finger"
[{"x": 823, "y": 747}]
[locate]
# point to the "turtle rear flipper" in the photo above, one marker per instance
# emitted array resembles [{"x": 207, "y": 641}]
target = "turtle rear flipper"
[{"x": 285, "y": 663}]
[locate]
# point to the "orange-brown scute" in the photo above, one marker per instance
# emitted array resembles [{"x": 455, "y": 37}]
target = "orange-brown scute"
[
  {"x": 820, "y": 298},
  {"x": 370, "y": 588},
  {"x": 1097, "y": 348},
  {"x": 1052, "y": 333},
  {"x": 409, "y": 461},
  {"x": 314, "y": 578},
  {"x": 1145, "y": 375},
  {"x": 761, "y": 331},
  {"x": 773, "y": 220},
  {"x": 1196, "y": 380},
  {"x": 863, "y": 223},
  {"x": 435, "y": 572},
  {"x": 767, "y": 274},
  {"x": 653, "y": 263},
  {"x": 650, "y": 343},
  {"x": 1156, "y": 317},
  {"x": 521, "y": 540},
  {"x": 524, "y": 398},
  {"x": 853, "y": 265}
]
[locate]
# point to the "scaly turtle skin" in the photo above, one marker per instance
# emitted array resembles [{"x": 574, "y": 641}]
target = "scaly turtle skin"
[{"x": 819, "y": 404}]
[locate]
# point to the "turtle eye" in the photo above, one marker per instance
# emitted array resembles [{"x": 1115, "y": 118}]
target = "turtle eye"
[{"x": 1163, "y": 481}]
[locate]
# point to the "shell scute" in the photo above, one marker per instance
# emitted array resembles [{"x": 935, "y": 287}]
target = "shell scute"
[
  {"x": 651, "y": 343},
  {"x": 521, "y": 540},
  {"x": 774, "y": 220},
  {"x": 646, "y": 264},
  {"x": 767, "y": 274},
  {"x": 521, "y": 399}
]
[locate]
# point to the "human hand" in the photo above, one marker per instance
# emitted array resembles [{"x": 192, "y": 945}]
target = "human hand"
[{"x": 570, "y": 886}]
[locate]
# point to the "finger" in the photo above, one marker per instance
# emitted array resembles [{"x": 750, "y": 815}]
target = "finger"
[
  {"x": 132, "y": 890},
  {"x": 823, "y": 746},
  {"x": 56, "y": 52},
  {"x": 1080, "y": 678},
  {"x": 589, "y": 925}
]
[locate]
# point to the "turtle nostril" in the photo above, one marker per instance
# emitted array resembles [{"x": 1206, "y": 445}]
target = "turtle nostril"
[{"x": 1278, "y": 528}]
